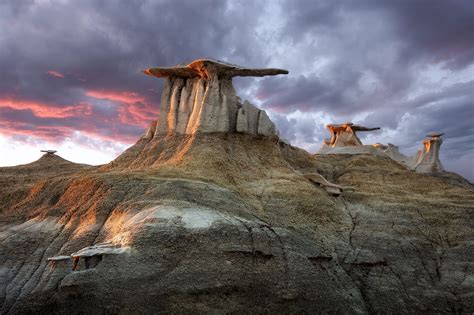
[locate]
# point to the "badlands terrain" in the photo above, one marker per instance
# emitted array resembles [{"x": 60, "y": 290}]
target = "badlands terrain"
[{"x": 226, "y": 222}]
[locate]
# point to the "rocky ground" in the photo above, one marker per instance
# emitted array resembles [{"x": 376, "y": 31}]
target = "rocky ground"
[{"x": 226, "y": 223}]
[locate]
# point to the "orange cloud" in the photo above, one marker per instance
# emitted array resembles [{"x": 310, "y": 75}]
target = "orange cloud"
[
  {"x": 46, "y": 110},
  {"x": 55, "y": 74},
  {"x": 124, "y": 97}
]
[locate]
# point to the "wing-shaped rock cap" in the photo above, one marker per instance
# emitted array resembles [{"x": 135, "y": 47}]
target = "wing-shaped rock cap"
[
  {"x": 434, "y": 135},
  {"x": 354, "y": 127},
  {"x": 208, "y": 68}
]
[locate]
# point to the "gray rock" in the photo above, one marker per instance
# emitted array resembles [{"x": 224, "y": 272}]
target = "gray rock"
[
  {"x": 427, "y": 160},
  {"x": 265, "y": 126},
  {"x": 254, "y": 121}
]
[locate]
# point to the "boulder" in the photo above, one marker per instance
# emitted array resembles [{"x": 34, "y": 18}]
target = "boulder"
[{"x": 332, "y": 189}]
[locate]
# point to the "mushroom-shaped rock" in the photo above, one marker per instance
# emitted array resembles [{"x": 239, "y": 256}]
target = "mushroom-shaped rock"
[
  {"x": 200, "y": 97},
  {"x": 343, "y": 135},
  {"x": 50, "y": 152},
  {"x": 427, "y": 160},
  {"x": 93, "y": 254},
  {"x": 331, "y": 189}
]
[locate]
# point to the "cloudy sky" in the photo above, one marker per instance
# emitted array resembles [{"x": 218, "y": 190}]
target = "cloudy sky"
[{"x": 71, "y": 70}]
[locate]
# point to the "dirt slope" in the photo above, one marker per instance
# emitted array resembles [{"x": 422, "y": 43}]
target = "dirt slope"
[{"x": 227, "y": 223}]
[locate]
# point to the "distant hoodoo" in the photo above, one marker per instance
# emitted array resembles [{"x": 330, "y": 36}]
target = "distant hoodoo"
[
  {"x": 49, "y": 152},
  {"x": 345, "y": 135},
  {"x": 200, "y": 97},
  {"x": 344, "y": 140},
  {"x": 427, "y": 159}
]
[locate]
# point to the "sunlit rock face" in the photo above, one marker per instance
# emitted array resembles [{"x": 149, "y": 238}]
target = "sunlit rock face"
[
  {"x": 200, "y": 97},
  {"x": 427, "y": 160}
]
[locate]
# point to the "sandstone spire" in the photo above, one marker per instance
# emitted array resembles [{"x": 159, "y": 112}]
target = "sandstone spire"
[
  {"x": 200, "y": 97},
  {"x": 427, "y": 160}
]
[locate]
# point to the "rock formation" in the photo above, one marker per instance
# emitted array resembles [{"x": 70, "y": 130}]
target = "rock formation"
[
  {"x": 49, "y": 151},
  {"x": 200, "y": 97},
  {"x": 344, "y": 140},
  {"x": 427, "y": 160},
  {"x": 392, "y": 152},
  {"x": 225, "y": 222},
  {"x": 345, "y": 135},
  {"x": 332, "y": 189}
]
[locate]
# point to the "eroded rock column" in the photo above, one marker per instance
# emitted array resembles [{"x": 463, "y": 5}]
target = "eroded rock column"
[{"x": 200, "y": 97}]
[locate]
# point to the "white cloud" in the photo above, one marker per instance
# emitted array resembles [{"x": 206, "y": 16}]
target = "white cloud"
[{"x": 75, "y": 149}]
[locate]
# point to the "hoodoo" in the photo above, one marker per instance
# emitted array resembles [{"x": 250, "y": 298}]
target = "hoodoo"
[
  {"x": 201, "y": 215},
  {"x": 427, "y": 159},
  {"x": 200, "y": 97},
  {"x": 49, "y": 152},
  {"x": 344, "y": 140},
  {"x": 345, "y": 135}
]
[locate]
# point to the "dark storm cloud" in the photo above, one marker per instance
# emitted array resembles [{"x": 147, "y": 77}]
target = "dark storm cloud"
[
  {"x": 55, "y": 55},
  {"x": 104, "y": 44},
  {"x": 437, "y": 30},
  {"x": 76, "y": 65},
  {"x": 440, "y": 31}
]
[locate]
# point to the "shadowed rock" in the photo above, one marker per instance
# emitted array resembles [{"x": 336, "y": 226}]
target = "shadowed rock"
[{"x": 200, "y": 97}]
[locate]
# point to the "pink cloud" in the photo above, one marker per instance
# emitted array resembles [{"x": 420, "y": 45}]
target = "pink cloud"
[
  {"x": 124, "y": 97},
  {"x": 134, "y": 108},
  {"x": 55, "y": 74},
  {"x": 46, "y": 110},
  {"x": 56, "y": 122}
]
